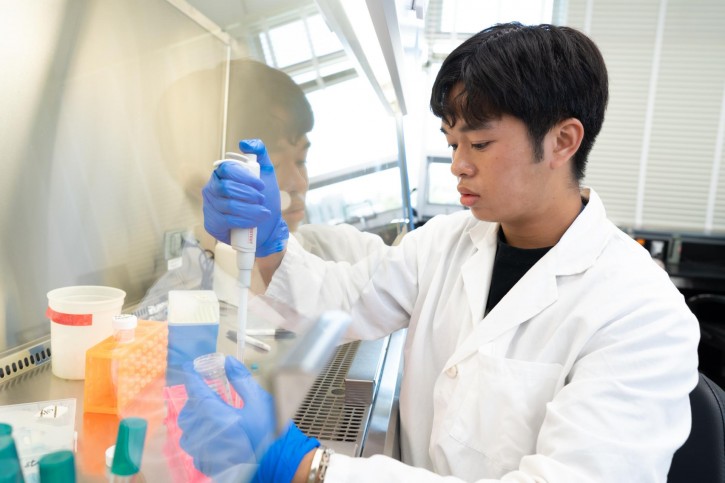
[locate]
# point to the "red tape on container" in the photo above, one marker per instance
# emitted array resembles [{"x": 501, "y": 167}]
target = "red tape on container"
[{"x": 69, "y": 319}]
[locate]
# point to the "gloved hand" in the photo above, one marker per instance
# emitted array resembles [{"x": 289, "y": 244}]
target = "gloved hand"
[
  {"x": 234, "y": 198},
  {"x": 219, "y": 436},
  {"x": 283, "y": 457}
]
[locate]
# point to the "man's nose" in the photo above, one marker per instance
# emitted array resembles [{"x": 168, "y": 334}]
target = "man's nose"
[
  {"x": 293, "y": 181},
  {"x": 299, "y": 181},
  {"x": 459, "y": 166}
]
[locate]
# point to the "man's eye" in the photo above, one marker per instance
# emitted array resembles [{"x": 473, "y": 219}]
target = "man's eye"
[
  {"x": 480, "y": 146},
  {"x": 453, "y": 146}
]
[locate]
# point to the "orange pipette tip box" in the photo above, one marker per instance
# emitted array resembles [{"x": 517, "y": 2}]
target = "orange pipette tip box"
[
  {"x": 116, "y": 372},
  {"x": 99, "y": 431}
]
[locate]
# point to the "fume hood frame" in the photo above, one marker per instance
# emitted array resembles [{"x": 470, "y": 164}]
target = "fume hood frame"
[{"x": 370, "y": 33}]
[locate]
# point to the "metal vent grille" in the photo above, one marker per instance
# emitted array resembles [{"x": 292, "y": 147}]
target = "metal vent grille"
[
  {"x": 24, "y": 359},
  {"x": 323, "y": 413}
]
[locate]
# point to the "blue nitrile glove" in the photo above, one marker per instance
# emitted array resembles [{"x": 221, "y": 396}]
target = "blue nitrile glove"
[
  {"x": 234, "y": 198},
  {"x": 281, "y": 460},
  {"x": 219, "y": 436}
]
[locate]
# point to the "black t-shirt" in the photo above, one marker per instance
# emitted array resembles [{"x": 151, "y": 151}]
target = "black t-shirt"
[{"x": 509, "y": 266}]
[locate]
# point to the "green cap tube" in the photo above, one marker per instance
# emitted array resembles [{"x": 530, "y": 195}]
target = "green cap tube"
[
  {"x": 7, "y": 448},
  {"x": 6, "y": 429},
  {"x": 57, "y": 467},
  {"x": 129, "y": 447},
  {"x": 10, "y": 471}
]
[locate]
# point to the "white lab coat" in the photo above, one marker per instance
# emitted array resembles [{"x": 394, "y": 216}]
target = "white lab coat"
[
  {"x": 341, "y": 243},
  {"x": 581, "y": 373}
]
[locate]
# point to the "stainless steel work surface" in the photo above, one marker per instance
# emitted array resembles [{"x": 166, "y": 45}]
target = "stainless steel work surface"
[{"x": 341, "y": 426}]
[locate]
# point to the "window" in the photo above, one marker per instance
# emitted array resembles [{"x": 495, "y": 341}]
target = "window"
[{"x": 354, "y": 143}]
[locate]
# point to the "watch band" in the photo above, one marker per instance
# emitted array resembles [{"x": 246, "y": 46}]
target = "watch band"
[
  {"x": 324, "y": 463},
  {"x": 314, "y": 467}
]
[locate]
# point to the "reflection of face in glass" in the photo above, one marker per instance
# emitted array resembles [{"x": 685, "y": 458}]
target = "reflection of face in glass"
[{"x": 290, "y": 167}]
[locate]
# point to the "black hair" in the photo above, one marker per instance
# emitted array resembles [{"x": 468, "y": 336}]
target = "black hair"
[
  {"x": 265, "y": 103},
  {"x": 540, "y": 74}
]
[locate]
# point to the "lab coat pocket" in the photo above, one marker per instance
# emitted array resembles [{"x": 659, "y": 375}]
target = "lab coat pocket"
[{"x": 503, "y": 407}]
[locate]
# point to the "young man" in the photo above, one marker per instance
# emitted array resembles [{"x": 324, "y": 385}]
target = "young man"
[{"x": 543, "y": 343}]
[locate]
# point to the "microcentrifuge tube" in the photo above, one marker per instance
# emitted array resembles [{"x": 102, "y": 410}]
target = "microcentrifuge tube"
[{"x": 211, "y": 368}]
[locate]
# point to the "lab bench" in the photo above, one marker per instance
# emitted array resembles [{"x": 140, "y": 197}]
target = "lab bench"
[{"x": 351, "y": 407}]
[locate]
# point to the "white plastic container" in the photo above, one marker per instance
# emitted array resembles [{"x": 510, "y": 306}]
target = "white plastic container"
[{"x": 80, "y": 317}]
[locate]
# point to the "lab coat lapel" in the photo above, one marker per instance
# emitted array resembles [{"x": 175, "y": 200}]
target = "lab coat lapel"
[
  {"x": 533, "y": 293},
  {"x": 537, "y": 289},
  {"x": 476, "y": 271}
]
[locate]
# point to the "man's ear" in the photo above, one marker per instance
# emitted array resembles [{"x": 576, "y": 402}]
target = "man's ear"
[{"x": 568, "y": 135}]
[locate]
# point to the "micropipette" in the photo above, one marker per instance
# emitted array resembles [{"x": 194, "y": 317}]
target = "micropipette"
[{"x": 244, "y": 241}]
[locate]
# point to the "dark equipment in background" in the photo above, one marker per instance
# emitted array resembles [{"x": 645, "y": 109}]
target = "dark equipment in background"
[{"x": 696, "y": 265}]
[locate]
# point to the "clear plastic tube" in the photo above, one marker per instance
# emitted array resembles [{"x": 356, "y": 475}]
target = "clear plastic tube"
[
  {"x": 124, "y": 327},
  {"x": 211, "y": 368}
]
